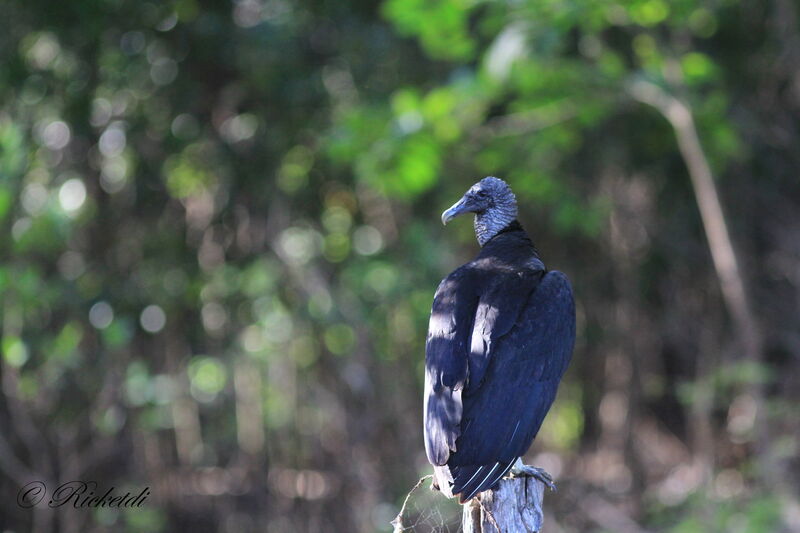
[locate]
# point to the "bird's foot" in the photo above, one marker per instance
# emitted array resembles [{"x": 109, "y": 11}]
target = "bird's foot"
[{"x": 521, "y": 470}]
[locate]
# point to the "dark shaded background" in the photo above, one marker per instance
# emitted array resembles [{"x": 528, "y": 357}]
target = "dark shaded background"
[{"x": 221, "y": 237}]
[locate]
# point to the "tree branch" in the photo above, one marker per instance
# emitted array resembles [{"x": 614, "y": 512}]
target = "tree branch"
[
  {"x": 732, "y": 285},
  {"x": 726, "y": 264}
]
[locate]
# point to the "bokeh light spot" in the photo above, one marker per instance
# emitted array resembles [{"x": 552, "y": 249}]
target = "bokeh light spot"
[
  {"x": 101, "y": 315},
  {"x": 72, "y": 194},
  {"x": 56, "y": 135},
  {"x": 367, "y": 240},
  {"x": 153, "y": 319}
]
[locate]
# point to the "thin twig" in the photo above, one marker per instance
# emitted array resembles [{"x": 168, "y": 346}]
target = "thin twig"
[
  {"x": 489, "y": 515},
  {"x": 524, "y": 122},
  {"x": 398, "y": 520}
]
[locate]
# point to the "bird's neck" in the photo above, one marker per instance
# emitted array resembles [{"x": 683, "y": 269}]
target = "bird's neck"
[
  {"x": 513, "y": 247},
  {"x": 492, "y": 221}
]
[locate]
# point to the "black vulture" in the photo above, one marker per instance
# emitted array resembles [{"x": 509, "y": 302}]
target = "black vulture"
[{"x": 500, "y": 337}]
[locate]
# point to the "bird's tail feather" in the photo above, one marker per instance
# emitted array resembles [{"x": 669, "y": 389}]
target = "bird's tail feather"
[{"x": 471, "y": 480}]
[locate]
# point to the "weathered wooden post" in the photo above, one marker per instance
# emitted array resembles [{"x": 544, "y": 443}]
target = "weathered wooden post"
[{"x": 515, "y": 507}]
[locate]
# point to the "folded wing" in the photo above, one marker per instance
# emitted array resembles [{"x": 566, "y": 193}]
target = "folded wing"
[{"x": 487, "y": 411}]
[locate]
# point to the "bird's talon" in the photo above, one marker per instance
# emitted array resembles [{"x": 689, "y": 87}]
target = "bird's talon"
[{"x": 537, "y": 473}]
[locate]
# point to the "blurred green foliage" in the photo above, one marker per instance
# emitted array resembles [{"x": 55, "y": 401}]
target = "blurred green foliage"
[{"x": 761, "y": 513}]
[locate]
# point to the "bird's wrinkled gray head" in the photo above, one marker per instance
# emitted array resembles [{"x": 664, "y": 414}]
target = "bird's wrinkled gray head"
[{"x": 493, "y": 203}]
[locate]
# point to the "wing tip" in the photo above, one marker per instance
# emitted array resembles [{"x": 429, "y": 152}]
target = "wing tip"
[{"x": 472, "y": 488}]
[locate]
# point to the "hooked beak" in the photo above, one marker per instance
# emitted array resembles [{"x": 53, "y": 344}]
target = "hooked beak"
[{"x": 459, "y": 208}]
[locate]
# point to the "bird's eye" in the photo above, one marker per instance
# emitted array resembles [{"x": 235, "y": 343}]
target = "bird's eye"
[{"x": 482, "y": 193}]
